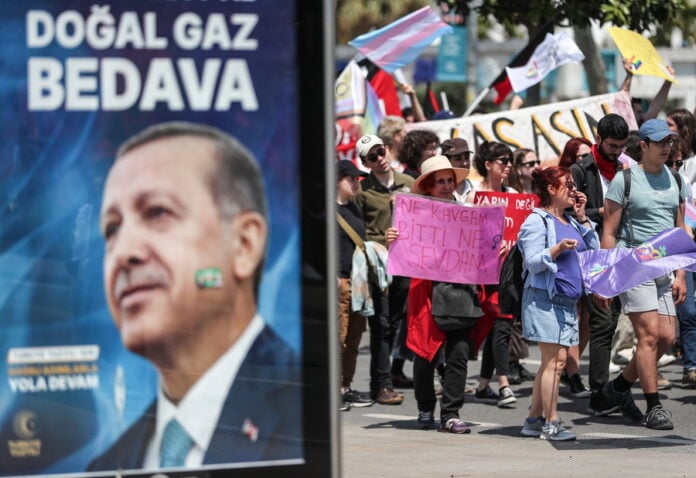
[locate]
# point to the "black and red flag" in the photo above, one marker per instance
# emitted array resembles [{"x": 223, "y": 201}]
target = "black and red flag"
[{"x": 501, "y": 83}]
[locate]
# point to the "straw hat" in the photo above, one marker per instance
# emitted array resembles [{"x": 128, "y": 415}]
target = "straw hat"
[{"x": 434, "y": 164}]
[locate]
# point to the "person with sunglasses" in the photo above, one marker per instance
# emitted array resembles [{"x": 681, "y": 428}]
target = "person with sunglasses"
[
  {"x": 375, "y": 202},
  {"x": 493, "y": 162},
  {"x": 459, "y": 155},
  {"x": 655, "y": 203},
  {"x": 549, "y": 240},
  {"x": 524, "y": 162},
  {"x": 593, "y": 174}
]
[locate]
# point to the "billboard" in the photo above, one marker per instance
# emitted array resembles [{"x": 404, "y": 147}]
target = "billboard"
[{"x": 162, "y": 284}]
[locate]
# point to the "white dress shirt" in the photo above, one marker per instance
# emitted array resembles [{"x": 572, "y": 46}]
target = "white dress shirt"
[{"x": 199, "y": 410}]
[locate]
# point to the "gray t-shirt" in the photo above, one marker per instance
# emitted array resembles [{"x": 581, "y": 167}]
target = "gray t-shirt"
[{"x": 652, "y": 204}]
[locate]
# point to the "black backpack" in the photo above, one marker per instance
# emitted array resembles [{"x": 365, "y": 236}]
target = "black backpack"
[{"x": 511, "y": 280}]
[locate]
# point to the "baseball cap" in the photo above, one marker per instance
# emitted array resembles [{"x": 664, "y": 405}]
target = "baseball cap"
[
  {"x": 347, "y": 168},
  {"x": 366, "y": 143},
  {"x": 454, "y": 146},
  {"x": 655, "y": 130}
]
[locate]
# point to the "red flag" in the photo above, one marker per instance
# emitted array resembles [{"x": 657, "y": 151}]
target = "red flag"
[
  {"x": 384, "y": 86},
  {"x": 501, "y": 84}
]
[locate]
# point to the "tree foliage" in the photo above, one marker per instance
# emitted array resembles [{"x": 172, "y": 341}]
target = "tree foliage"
[{"x": 635, "y": 15}]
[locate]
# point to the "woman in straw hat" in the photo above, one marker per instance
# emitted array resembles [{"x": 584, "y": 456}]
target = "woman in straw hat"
[{"x": 440, "y": 315}]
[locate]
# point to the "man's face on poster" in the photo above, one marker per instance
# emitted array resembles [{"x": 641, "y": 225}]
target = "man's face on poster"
[{"x": 161, "y": 225}]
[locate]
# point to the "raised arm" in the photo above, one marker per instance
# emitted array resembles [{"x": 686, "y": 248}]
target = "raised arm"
[{"x": 659, "y": 101}]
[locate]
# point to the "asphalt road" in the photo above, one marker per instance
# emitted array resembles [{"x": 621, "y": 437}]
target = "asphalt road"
[{"x": 384, "y": 440}]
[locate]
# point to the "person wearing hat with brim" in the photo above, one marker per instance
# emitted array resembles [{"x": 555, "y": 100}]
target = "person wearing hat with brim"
[
  {"x": 655, "y": 203},
  {"x": 458, "y": 152},
  {"x": 351, "y": 325},
  {"x": 439, "y": 180},
  {"x": 424, "y": 183},
  {"x": 375, "y": 202}
]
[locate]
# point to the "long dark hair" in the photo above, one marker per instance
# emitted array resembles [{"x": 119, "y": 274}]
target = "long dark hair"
[
  {"x": 488, "y": 151},
  {"x": 513, "y": 180}
]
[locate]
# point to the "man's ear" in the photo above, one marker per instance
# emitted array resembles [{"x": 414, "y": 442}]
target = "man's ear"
[{"x": 249, "y": 232}]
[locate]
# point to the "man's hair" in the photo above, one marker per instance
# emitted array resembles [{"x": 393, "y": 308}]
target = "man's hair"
[
  {"x": 415, "y": 143},
  {"x": 236, "y": 182},
  {"x": 390, "y": 126},
  {"x": 633, "y": 146},
  {"x": 612, "y": 126}
]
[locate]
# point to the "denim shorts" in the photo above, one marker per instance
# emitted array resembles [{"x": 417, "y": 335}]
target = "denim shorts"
[
  {"x": 654, "y": 294},
  {"x": 547, "y": 320}
]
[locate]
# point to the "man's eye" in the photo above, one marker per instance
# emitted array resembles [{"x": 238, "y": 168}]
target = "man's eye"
[
  {"x": 155, "y": 212},
  {"x": 109, "y": 230}
]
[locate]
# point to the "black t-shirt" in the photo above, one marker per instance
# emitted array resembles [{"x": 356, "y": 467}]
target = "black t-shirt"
[{"x": 352, "y": 214}]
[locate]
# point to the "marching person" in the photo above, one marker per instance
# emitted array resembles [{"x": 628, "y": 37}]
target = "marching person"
[{"x": 550, "y": 239}]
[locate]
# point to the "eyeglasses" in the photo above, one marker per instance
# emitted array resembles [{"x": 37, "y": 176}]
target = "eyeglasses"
[
  {"x": 615, "y": 147},
  {"x": 504, "y": 160},
  {"x": 571, "y": 185},
  {"x": 665, "y": 142},
  {"x": 530, "y": 164},
  {"x": 444, "y": 181},
  {"x": 375, "y": 155}
]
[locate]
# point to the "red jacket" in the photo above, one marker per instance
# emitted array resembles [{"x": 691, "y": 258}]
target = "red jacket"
[{"x": 424, "y": 337}]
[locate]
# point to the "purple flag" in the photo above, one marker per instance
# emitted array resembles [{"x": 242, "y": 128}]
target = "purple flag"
[{"x": 609, "y": 272}]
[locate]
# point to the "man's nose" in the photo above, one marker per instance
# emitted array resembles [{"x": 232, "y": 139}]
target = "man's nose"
[{"x": 130, "y": 246}]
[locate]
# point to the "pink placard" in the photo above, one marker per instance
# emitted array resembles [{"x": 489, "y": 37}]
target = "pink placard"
[{"x": 446, "y": 241}]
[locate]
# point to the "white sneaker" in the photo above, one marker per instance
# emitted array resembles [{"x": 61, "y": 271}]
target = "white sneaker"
[
  {"x": 613, "y": 368},
  {"x": 666, "y": 359}
]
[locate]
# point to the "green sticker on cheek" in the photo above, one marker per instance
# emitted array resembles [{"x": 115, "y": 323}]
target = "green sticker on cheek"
[{"x": 210, "y": 278}]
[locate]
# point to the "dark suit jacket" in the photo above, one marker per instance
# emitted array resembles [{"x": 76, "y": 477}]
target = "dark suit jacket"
[
  {"x": 586, "y": 176},
  {"x": 266, "y": 394}
]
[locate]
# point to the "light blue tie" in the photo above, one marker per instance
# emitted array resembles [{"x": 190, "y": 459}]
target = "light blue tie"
[{"x": 176, "y": 444}]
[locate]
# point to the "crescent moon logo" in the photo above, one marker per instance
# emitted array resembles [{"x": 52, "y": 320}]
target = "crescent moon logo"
[{"x": 25, "y": 424}]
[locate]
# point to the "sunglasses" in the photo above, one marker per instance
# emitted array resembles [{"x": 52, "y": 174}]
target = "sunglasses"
[
  {"x": 530, "y": 164},
  {"x": 375, "y": 155},
  {"x": 571, "y": 185},
  {"x": 504, "y": 160}
]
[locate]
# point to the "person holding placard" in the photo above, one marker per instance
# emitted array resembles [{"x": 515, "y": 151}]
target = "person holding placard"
[{"x": 440, "y": 315}]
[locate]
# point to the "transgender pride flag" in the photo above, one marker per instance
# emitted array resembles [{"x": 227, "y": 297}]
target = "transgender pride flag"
[{"x": 400, "y": 42}]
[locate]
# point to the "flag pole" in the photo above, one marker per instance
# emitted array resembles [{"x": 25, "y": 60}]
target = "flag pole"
[{"x": 476, "y": 101}]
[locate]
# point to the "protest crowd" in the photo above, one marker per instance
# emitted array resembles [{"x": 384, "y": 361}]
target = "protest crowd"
[{"x": 589, "y": 226}]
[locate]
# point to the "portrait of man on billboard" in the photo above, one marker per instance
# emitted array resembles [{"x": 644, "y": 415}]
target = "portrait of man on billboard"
[{"x": 184, "y": 224}]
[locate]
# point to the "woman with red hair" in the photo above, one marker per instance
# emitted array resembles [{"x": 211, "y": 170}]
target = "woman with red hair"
[{"x": 574, "y": 149}]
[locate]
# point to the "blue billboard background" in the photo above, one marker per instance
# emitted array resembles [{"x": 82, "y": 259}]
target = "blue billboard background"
[{"x": 53, "y": 164}]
